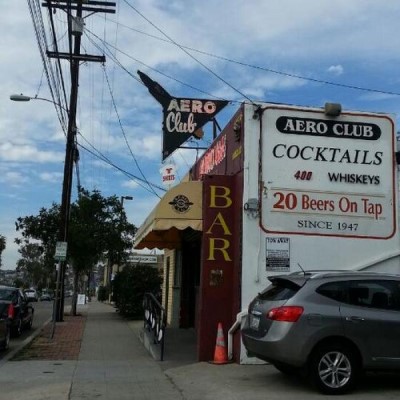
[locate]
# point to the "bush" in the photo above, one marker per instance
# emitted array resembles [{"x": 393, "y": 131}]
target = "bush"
[
  {"x": 102, "y": 293},
  {"x": 130, "y": 285}
]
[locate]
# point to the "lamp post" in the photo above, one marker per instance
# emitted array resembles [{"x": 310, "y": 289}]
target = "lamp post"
[
  {"x": 22, "y": 97},
  {"x": 66, "y": 189}
]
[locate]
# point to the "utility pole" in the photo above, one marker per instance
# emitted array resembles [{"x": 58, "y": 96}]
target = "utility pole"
[{"x": 77, "y": 25}]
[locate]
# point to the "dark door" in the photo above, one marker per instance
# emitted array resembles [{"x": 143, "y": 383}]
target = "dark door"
[{"x": 190, "y": 279}]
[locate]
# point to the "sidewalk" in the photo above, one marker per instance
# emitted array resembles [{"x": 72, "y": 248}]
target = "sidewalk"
[{"x": 113, "y": 364}]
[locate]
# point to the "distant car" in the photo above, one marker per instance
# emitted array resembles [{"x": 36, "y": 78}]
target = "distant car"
[
  {"x": 330, "y": 326},
  {"x": 46, "y": 297},
  {"x": 16, "y": 308},
  {"x": 31, "y": 294}
]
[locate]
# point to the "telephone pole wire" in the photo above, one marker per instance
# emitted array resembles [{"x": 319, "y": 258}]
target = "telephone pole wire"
[{"x": 77, "y": 27}]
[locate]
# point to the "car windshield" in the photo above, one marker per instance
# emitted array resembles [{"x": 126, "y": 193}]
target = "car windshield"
[{"x": 6, "y": 294}]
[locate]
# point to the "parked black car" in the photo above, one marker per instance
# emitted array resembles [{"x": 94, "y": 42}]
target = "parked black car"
[
  {"x": 15, "y": 307},
  {"x": 4, "y": 330}
]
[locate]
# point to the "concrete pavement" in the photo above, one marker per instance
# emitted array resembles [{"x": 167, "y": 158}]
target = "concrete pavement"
[{"x": 113, "y": 364}]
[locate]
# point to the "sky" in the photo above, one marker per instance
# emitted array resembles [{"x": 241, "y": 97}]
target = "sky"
[{"x": 282, "y": 51}]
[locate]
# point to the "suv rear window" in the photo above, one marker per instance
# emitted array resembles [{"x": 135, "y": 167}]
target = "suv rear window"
[
  {"x": 279, "y": 290},
  {"x": 7, "y": 294}
]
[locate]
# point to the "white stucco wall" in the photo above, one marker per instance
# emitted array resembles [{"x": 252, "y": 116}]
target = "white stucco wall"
[{"x": 311, "y": 252}]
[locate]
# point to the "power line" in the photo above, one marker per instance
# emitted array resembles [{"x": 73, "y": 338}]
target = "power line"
[
  {"x": 145, "y": 65},
  {"x": 105, "y": 159},
  {"x": 124, "y": 134},
  {"x": 190, "y": 55},
  {"x": 262, "y": 68}
]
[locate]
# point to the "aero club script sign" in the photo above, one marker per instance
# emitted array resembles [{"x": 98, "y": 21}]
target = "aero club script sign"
[
  {"x": 329, "y": 176},
  {"x": 183, "y": 118}
]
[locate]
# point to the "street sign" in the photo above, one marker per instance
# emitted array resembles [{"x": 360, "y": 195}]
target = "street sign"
[{"x": 61, "y": 251}]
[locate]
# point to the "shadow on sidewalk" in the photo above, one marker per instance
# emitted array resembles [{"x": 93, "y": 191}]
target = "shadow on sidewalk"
[{"x": 179, "y": 346}]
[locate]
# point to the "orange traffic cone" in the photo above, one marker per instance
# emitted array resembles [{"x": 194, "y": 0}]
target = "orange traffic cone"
[{"x": 220, "y": 354}]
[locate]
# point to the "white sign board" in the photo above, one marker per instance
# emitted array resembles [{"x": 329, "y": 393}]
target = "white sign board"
[
  {"x": 328, "y": 176},
  {"x": 61, "y": 251},
  {"x": 81, "y": 299},
  {"x": 168, "y": 174},
  {"x": 143, "y": 259},
  {"x": 277, "y": 257}
]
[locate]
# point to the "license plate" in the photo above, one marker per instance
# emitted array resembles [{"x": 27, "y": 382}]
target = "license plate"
[{"x": 254, "y": 322}]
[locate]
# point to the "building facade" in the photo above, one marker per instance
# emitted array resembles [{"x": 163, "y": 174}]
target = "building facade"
[{"x": 281, "y": 189}]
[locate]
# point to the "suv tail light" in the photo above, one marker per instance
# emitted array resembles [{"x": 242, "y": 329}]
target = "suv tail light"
[
  {"x": 11, "y": 311},
  {"x": 285, "y": 313}
]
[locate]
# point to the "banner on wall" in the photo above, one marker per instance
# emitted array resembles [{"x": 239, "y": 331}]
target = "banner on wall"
[
  {"x": 182, "y": 117},
  {"x": 328, "y": 176}
]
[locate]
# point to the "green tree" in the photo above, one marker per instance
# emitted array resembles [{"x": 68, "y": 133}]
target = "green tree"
[
  {"x": 98, "y": 229},
  {"x": 30, "y": 266},
  {"x": 2, "y": 247},
  {"x": 41, "y": 231},
  {"x": 131, "y": 284}
]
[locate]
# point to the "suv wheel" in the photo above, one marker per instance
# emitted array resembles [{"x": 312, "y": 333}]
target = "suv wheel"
[{"x": 334, "y": 369}]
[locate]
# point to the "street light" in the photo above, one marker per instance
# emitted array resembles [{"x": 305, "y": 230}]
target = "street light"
[
  {"x": 66, "y": 191},
  {"x": 125, "y": 198},
  {"x": 22, "y": 97}
]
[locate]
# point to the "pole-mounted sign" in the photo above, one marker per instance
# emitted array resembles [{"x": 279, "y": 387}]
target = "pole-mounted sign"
[
  {"x": 61, "y": 251},
  {"x": 182, "y": 117}
]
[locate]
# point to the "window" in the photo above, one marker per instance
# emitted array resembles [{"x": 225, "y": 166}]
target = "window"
[
  {"x": 379, "y": 294},
  {"x": 7, "y": 294},
  {"x": 334, "y": 290},
  {"x": 279, "y": 291}
]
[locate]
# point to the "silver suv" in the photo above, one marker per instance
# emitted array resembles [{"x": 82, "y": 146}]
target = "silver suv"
[{"x": 330, "y": 325}]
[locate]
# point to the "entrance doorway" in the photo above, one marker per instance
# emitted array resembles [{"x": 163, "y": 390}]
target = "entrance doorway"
[{"x": 191, "y": 257}]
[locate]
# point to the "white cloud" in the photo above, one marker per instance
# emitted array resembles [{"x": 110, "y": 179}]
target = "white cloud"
[
  {"x": 13, "y": 178},
  {"x": 336, "y": 70},
  {"x": 52, "y": 177},
  {"x": 130, "y": 184},
  {"x": 283, "y": 35},
  {"x": 27, "y": 153}
]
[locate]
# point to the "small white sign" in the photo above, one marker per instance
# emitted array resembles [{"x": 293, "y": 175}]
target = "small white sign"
[
  {"x": 168, "y": 174},
  {"x": 143, "y": 259},
  {"x": 81, "y": 299},
  {"x": 61, "y": 251},
  {"x": 277, "y": 254}
]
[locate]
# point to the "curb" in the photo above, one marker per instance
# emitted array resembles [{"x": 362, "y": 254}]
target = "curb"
[{"x": 26, "y": 341}]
